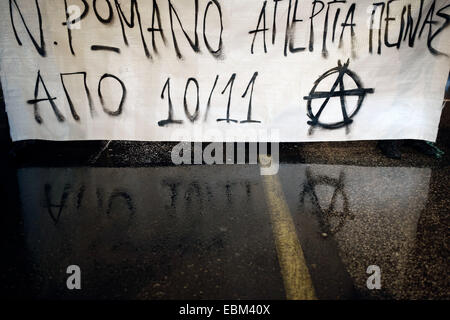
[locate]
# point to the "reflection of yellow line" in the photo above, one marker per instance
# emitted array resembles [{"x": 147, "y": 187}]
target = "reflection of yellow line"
[{"x": 296, "y": 277}]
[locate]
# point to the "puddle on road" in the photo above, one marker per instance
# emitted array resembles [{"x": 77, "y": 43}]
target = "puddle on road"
[
  {"x": 204, "y": 231},
  {"x": 183, "y": 233},
  {"x": 349, "y": 218}
]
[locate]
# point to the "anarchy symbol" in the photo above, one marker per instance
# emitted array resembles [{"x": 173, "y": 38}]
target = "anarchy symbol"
[{"x": 360, "y": 92}]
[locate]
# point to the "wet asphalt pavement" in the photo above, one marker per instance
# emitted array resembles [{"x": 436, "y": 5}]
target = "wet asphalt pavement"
[{"x": 141, "y": 228}]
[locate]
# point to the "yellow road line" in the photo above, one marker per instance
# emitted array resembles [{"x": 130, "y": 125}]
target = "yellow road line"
[{"x": 296, "y": 277}]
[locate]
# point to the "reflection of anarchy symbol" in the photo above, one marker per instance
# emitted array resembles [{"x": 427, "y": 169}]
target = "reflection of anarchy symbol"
[
  {"x": 331, "y": 214},
  {"x": 360, "y": 92}
]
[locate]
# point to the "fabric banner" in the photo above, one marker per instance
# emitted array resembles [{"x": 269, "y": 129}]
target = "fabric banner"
[{"x": 216, "y": 70}]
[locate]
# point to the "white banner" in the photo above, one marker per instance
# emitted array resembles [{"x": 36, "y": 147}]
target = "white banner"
[{"x": 216, "y": 70}]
